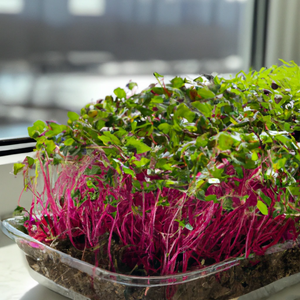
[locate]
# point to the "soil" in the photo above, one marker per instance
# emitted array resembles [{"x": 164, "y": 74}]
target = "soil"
[{"x": 249, "y": 275}]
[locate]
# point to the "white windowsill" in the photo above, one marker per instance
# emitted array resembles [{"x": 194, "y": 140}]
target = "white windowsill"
[{"x": 10, "y": 159}]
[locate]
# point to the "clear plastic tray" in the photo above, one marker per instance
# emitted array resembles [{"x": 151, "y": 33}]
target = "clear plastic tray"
[
  {"x": 105, "y": 284},
  {"x": 9, "y": 229}
]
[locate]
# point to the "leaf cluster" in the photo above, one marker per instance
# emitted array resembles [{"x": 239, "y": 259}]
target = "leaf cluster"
[{"x": 178, "y": 134}]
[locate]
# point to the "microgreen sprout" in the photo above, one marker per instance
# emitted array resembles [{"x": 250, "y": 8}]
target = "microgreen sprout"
[{"x": 178, "y": 176}]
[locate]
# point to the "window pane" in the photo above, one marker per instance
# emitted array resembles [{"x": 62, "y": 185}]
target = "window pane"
[
  {"x": 11, "y": 6},
  {"x": 87, "y": 8},
  {"x": 283, "y": 32},
  {"x": 60, "y": 54}
]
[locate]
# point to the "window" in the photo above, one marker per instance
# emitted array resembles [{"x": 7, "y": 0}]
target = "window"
[
  {"x": 11, "y": 6},
  {"x": 59, "y": 55},
  {"x": 283, "y": 32},
  {"x": 87, "y": 8}
]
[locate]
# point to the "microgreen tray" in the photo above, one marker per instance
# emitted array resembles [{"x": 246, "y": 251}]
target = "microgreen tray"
[{"x": 102, "y": 284}]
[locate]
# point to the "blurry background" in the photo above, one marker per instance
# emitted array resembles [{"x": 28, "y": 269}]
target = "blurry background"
[{"x": 58, "y": 55}]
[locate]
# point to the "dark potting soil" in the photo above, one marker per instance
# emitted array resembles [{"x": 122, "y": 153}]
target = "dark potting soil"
[{"x": 249, "y": 275}]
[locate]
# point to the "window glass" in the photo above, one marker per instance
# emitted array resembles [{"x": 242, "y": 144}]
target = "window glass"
[
  {"x": 59, "y": 55},
  {"x": 11, "y": 6},
  {"x": 87, "y": 8}
]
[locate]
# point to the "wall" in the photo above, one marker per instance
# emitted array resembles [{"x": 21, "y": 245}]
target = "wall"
[{"x": 10, "y": 188}]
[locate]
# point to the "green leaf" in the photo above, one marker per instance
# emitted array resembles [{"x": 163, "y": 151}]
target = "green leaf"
[
  {"x": 177, "y": 82},
  {"x": 295, "y": 191},
  {"x": 37, "y": 129},
  {"x": 249, "y": 164},
  {"x": 211, "y": 198},
  {"x": 254, "y": 156},
  {"x": 199, "y": 79},
  {"x": 262, "y": 207},
  {"x": 202, "y": 140},
  {"x": 108, "y": 137},
  {"x": 100, "y": 124},
  {"x": 239, "y": 172},
  {"x": 138, "y": 145},
  {"x": 30, "y": 161},
  {"x": 18, "y": 211},
  {"x": 18, "y": 167},
  {"x": 158, "y": 90},
  {"x": 90, "y": 184},
  {"x": 287, "y": 127},
  {"x": 204, "y": 108},
  {"x": 226, "y": 141},
  {"x": 184, "y": 112},
  {"x": 120, "y": 93},
  {"x": 50, "y": 146},
  {"x": 127, "y": 170},
  {"x": 279, "y": 164},
  {"x": 169, "y": 183},
  {"x": 157, "y": 99},
  {"x": 160, "y": 163},
  {"x": 136, "y": 184},
  {"x": 205, "y": 93},
  {"x": 144, "y": 111},
  {"x": 217, "y": 81},
  {"x": 55, "y": 129},
  {"x": 93, "y": 113},
  {"x": 174, "y": 138},
  {"x": 283, "y": 139},
  {"x": 102, "y": 115},
  {"x": 267, "y": 199},
  {"x": 120, "y": 133},
  {"x": 227, "y": 204},
  {"x": 133, "y": 126},
  {"x": 217, "y": 173},
  {"x": 142, "y": 162},
  {"x": 73, "y": 116},
  {"x": 170, "y": 109},
  {"x": 131, "y": 85},
  {"x": 157, "y": 75},
  {"x": 106, "y": 140},
  {"x": 164, "y": 127},
  {"x": 181, "y": 223},
  {"x": 69, "y": 142},
  {"x": 112, "y": 137},
  {"x": 235, "y": 91}
]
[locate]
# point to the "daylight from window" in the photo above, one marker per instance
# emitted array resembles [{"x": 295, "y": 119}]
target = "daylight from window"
[
  {"x": 87, "y": 8},
  {"x": 59, "y": 55},
  {"x": 11, "y": 6}
]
